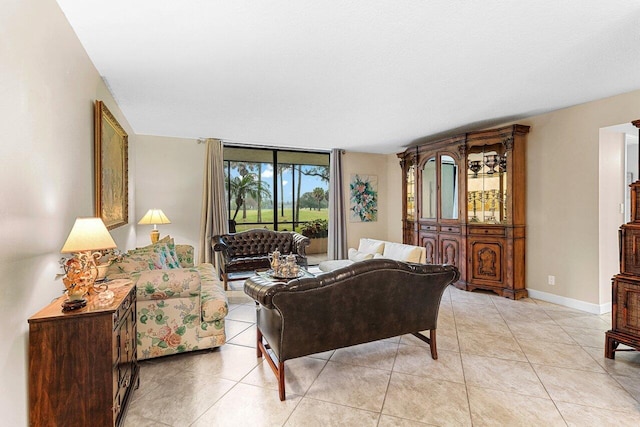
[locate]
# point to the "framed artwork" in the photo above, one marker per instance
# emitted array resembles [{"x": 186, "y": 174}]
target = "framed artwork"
[
  {"x": 111, "y": 169},
  {"x": 363, "y": 198}
]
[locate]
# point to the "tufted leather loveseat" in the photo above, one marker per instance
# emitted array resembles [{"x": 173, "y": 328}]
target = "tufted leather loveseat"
[
  {"x": 366, "y": 301},
  {"x": 249, "y": 250}
]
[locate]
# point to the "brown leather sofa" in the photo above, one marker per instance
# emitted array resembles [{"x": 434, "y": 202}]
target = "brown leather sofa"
[
  {"x": 249, "y": 250},
  {"x": 366, "y": 301}
]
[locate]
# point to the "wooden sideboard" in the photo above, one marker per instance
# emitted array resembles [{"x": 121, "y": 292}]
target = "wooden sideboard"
[
  {"x": 82, "y": 364},
  {"x": 464, "y": 201},
  {"x": 625, "y": 291}
]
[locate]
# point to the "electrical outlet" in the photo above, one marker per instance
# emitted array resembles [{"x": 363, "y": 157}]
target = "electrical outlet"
[{"x": 552, "y": 280}]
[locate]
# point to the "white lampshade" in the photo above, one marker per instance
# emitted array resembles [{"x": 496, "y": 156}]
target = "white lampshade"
[
  {"x": 88, "y": 234},
  {"x": 154, "y": 216}
]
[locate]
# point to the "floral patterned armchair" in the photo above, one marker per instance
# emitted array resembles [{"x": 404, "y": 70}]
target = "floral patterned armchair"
[{"x": 180, "y": 308}]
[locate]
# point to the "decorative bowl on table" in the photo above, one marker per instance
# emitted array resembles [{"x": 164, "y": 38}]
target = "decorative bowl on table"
[{"x": 285, "y": 275}]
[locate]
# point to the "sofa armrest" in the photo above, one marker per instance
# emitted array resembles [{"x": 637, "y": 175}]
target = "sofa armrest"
[
  {"x": 213, "y": 301},
  {"x": 262, "y": 290},
  {"x": 219, "y": 245},
  {"x": 300, "y": 243},
  {"x": 163, "y": 284}
]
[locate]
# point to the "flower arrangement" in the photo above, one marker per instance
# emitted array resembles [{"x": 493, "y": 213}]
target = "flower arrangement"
[
  {"x": 316, "y": 228},
  {"x": 364, "y": 198}
]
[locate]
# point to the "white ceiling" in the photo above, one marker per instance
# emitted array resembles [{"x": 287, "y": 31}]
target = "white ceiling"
[{"x": 367, "y": 75}]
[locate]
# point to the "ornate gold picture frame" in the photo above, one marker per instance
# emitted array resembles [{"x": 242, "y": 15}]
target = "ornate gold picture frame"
[{"x": 111, "y": 168}]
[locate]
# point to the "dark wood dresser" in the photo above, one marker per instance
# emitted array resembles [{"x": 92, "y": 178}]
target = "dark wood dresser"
[
  {"x": 82, "y": 363},
  {"x": 625, "y": 297}
]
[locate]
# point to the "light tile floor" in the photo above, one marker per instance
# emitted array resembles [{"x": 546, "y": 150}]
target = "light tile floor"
[{"x": 501, "y": 363}]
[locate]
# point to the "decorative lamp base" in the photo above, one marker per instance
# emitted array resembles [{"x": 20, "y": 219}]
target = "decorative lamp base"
[
  {"x": 73, "y": 304},
  {"x": 155, "y": 236}
]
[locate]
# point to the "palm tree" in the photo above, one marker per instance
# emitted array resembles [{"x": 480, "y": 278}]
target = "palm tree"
[
  {"x": 259, "y": 167},
  {"x": 318, "y": 194},
  {"x": 246, "y": 186},
  {"x": 299, "y": 190},
  {"x": 282, "y": 168}
]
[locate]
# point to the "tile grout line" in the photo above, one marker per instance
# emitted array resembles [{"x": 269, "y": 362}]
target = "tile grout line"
[{"x": 386, "y": 391}]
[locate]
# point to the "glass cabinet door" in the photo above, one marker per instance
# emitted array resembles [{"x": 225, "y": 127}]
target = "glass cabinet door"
[
  {"x": 429, "y": 190},
  {"x": 448, "y": 188},
  {"x": 411, "y": 193},
  {"x": 487, "y": 185}
]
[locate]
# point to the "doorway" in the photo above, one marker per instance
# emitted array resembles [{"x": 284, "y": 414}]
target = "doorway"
[{"x": 618, "y": 167}]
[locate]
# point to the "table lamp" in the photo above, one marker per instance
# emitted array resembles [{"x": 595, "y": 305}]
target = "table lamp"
[
  {"x": 87, "y": 236},
  {"x": 154, "y": 216}
]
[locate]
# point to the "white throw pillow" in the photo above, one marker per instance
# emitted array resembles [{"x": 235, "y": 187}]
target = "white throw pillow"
[
  {"x": 379, "y": 256},
  {"x": 371, "y": 246},
  {"x": 401, "y": 252},
  {"x": 356, "y": 256}
]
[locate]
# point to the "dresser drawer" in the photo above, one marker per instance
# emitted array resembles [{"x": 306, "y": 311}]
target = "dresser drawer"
[
  {"x": 428, "y": 228},
  {"x": 450, "y": 229},
  {"x": 119, "y": 314},
  {"x": 487, "y": 231},
  {"x": 630, "y": 248}
]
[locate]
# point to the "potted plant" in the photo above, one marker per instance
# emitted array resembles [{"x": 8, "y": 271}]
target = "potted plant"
[{"x": 317, "y": 230}]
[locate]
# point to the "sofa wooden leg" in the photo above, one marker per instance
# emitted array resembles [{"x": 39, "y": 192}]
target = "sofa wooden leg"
[
  {"x": 278, "y": 370},
  {"x": 431, "y": 340},
  {"x": 258, "y": 342},
  {"x": 281, "y": 393},
  {"x": 224, "y": 280},
  {"x": 432, "y": 344}
]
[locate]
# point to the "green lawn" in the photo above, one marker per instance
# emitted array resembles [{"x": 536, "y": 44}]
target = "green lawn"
[{"x": 267, "y": 218}]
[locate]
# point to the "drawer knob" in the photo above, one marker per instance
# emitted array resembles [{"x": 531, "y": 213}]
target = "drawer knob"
[{"x": 486, "y": 231}]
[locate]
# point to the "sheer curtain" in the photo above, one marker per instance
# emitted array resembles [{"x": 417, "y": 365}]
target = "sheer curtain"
[
  {"x": 337, "y": 243},
  {"x": 215, "y": 218}
]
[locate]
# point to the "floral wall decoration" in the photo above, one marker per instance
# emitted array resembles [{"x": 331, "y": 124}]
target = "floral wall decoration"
[{"x": 363, "y": 198}]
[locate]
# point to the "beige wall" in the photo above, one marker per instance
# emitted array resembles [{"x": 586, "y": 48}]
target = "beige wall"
[
  {"x": 369, "y": 164},
  {"x": 169, "y": 176},
  {"x": 48, "y": 88},
  {"x": 394, "y": 197},
  {"x": 563, "y": 195}
]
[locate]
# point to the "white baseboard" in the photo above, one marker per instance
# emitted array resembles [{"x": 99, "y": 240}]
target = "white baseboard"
[{"x": 570, "y": 302}]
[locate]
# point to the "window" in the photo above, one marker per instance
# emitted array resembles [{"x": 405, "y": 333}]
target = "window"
[{"x": 275, "y": 189}]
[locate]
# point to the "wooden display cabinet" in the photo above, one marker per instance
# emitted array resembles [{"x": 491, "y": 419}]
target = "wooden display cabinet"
[
  {"x": 625, "y": 290},
  {"x": 464, "y": 201},
  {"x": 82, "y": 364}
]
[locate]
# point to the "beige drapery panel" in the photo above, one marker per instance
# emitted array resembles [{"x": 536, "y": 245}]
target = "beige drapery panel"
[
  {"x": 215, "y": 218},
  {"x": 337, "y": 242}
]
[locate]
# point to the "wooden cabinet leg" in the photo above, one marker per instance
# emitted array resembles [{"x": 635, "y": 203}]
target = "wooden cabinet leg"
[{"x": 610, "y": 346}]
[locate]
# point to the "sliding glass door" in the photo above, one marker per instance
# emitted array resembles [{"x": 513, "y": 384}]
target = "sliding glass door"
[{"x": 275, "y": 189}]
